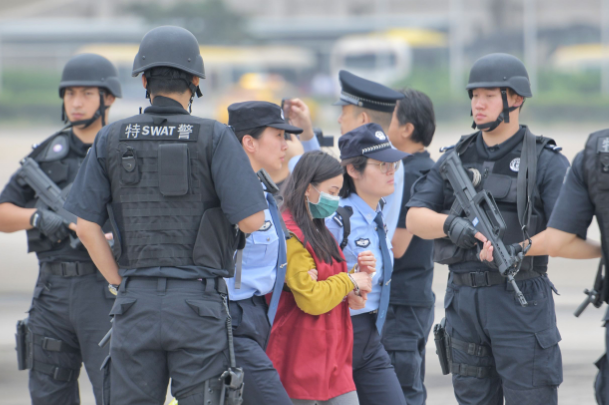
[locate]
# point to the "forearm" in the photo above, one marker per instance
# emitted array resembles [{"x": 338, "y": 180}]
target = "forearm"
[
  {"x": 319, "y": 297},
  {"x": 400, "y": 242},
  {"x": 570, "y": 246},
  {"x": 93, "y": 238},
  {"x": 14, "y": 218},
  {"x": 425, "y": 223}
]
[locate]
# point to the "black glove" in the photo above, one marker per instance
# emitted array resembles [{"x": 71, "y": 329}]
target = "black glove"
[
  {"x": 50, "y": 225},
  {"x": 460, "y": 231},
  {"x": 514, "y": 250}
]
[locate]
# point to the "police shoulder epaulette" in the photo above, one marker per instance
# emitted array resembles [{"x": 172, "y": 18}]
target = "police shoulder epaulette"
[
  {"x": 447, "y": 148},
  {"x": 338, "y": 219},
  {"x": 553, "y": 147}
]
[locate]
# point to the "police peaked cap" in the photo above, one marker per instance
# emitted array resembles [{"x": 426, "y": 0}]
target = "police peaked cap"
[
  {"x": 90, "y": 70},
  {"x": 500, "y": 70},
  {"x": 364, "y": 93},
  {"x": 169, "y": 46}
]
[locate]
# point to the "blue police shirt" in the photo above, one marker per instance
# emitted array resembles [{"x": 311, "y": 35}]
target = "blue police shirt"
[
  {"x": 259, "y": 268},
  {"x": 363, "y": 237},
  {"x": 574, "y": 209}
]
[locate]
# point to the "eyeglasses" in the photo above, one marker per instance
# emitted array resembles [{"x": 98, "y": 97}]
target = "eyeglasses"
[{"x": 385, "y": 167}]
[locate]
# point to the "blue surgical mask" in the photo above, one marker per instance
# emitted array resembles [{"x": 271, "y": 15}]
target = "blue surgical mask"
[{"x": 326, "y": 206}]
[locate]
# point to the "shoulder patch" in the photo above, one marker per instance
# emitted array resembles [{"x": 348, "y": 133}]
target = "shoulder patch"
[
  {"x": 362, "y": 242},
  {"x": 57, "y": 149},
  {"x": 147, "y": 132},
  {"x": 266, "y": 226}
]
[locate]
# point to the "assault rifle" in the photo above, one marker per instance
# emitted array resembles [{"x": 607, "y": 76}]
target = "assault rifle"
[
  {"x": 481, "y": 210},
  {"x": 47, "y": 192},
  {"x": 594, "y": 296}
]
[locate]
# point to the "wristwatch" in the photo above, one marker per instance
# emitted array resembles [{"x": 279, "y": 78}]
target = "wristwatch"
[{"x": 113, "y": 288}]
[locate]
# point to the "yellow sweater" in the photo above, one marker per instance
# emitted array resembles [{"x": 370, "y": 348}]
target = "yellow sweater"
[{"x": 313, "y": 297}]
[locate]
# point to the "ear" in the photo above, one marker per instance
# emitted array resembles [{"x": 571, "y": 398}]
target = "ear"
[
  {"x": 109, "y": 99},
  {"x": 407, "y": 130},
  {"x": 354, "y": 174},
  {"x": 308, "y": 191},
  {"x": 196, "y": 80},
  {"x": 144, "y": 81},
  {"x": 364, "y": 118},
  {"x": 518, "y": 101},
  {"x": 249, "y": 144}
]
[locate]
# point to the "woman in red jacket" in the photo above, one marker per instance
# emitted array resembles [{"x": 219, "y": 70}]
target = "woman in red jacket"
[{"x": 311, "y": 341}]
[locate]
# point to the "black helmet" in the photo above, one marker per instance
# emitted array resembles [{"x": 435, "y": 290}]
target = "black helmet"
[
  {"x": 503, "y": 71},
  {"x": 90, "y": 70},
  {"x": 173, "y": 47},
  {"x": 169, "y": 46}
]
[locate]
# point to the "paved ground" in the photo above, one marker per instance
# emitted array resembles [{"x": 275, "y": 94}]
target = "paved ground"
[{"x": 582, "y": 342}]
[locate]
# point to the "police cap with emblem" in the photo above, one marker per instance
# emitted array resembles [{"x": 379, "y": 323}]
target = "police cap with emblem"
[
  {"x": 257, "y": 114},
  {"x": 369, "y": 140},
  {"x": 364, "y": 93},
  {"x": 90, "y": 70}
]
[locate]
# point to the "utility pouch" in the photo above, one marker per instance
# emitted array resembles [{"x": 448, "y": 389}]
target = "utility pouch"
[
  {"x": 24, "y": 347},
  {"x": 174, "y": 170},
  {"x": 131, "y": 172},
  {"x": 446, "y": 252},
  {"x": 232, "y": 388},
  {"x": 442, "y": 346}
]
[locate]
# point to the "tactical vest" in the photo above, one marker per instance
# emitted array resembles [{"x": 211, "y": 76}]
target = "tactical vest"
[
  {"x": 596, "y": 176},
  {"x": 51, "y": 156},
  {"x": 165, "y": 210},
  {"x": 500, "y": 178}
]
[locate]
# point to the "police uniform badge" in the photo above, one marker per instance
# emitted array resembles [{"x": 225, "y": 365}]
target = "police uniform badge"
[
  {"x": 515, "y": 165},
  {"x": 266, "y": 226},
  {"x": 362, "y": 242}
]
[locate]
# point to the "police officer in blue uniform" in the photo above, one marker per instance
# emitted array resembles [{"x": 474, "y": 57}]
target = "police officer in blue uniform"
[
  {"x": 69, "y": 312},
  {"x": 584, "y": 195},
  {"x": 497, "y": 348},
  {"x": 261, "y": 128},
  {"x": 411, "y": 310},
  {"x": 373, "y": 374},
  {"x": 175, "y": 187}
]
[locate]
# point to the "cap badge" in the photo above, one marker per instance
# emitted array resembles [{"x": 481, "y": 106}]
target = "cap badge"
[
  {"x": 515, "y": 165},
  {"x": 380, "y": 135}
]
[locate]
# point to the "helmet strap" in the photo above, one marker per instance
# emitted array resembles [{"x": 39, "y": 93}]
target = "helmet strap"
[{"x": 503, "y": 116}]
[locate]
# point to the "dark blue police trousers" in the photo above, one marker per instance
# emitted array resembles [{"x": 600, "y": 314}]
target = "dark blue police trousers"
[
  {"x": 404, "y": 336},
  {"x": 515, "y": 348},
  {"x": 374, "y": 376},
  {"x": 251, "y": 330},
  {"x": 75, "y": 311},
  {"x": 166, "y": 328},
  {"x": 601, "y": 385}
]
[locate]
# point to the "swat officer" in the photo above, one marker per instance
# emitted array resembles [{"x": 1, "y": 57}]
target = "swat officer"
[
  {"x": 498, "y": 348},
  {"x": 584, "y": 195},
  {"x": 260, "y": 128},
  {"x": 174, "y": 187},
  {"x": 69, "y": 310},
  {"x": 411, "y": 310},
  {"x": 362, "y": 102}
]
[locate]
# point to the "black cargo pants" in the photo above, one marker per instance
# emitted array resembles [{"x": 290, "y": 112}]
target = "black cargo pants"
[
  {"x": 501, "y": 349},
  {"x": 166, "y": 328},
  {"x": 68, "y": 318}
]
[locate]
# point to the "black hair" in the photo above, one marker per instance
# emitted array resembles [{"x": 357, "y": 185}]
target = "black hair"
[
  {"x": 253, "y": 132},
  {"x": 417, "y": 109},
  {"x": 359, "y": 164},
  {"x": 312, "y": 168},
  {"x": 167, "y": 80}
]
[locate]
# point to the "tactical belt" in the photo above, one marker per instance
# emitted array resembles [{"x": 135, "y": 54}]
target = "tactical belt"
[
  {"x": 53, "y": 345},
  {"x": 68, "y": 269},
  {"x": 58, "y": 373},
  {"x": 488, "y": 278},
  {"x": 467, "y": 370}
]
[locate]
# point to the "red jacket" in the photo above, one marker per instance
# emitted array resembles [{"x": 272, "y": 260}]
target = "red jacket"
[{"x": 313, "y": 354}]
